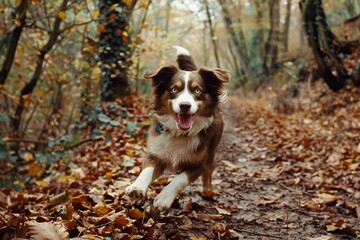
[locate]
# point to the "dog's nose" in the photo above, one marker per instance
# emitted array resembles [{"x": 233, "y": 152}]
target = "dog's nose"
[{"x": 185, "y": 106}]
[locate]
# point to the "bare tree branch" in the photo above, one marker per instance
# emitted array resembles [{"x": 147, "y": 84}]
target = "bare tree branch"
[
  {"x": 29, "y": 87},
  {"x": 14, "y": 39}
]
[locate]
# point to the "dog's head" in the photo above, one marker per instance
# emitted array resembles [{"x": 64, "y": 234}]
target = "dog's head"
[{"x": 181, "y": 97}]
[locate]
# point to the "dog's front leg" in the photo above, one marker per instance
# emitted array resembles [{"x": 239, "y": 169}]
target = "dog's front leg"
[
  {"x": 152, "y": 170},
  {"x": 139, "y": 187},
  {"x": 166, "y": 197}
]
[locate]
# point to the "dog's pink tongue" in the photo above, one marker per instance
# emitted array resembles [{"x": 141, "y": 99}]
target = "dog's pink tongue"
[{"x": 185, "y": 121}]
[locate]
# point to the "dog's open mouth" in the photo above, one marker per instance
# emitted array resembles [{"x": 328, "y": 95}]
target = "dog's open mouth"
[{"x": 184, "y": 120}]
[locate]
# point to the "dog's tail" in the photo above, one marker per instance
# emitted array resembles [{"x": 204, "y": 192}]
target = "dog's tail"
[{"x": 184, "y": 59}]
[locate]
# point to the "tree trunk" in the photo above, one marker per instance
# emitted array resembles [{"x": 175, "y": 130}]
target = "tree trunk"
[
  {"x": 260, "y": 33},
  {"x": 29, "y": 87},
  {"x": 239, "y": 73},
  {"x": 14, "y": 39},
  {"x": 212, "y": 34},
  {"x": 243, "y": 44},
  {"x": 53, "y": 119},
  {"x": 114, "y": 49},
  {"x": 240, "y": 46},
  {"x": 323, "y": 43},
  {"x": 287, "y": 26},
  {"x": 205, "y": 46},
  {"x": 271, "y": 46},
  {"x": 168, "y": 11}
]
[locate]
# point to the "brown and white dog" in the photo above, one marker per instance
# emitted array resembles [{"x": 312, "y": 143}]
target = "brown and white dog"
[{"x": 186, "y": 128}]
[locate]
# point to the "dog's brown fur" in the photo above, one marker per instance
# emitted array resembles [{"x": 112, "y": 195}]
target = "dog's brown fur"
[{"x": 191, "y": 151}]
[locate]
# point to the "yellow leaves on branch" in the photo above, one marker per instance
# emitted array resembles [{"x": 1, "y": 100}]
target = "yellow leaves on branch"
[
  {"x": 62, "y": 15},
  {"x": 112, "y": 8},
  {"x": 128, "y": 3},
  {"x": 144, "y": 4},
  {"x": 41, "y": 93},
  {"x": 96, "y": 72},
  {"x": 95, "y": 14}
]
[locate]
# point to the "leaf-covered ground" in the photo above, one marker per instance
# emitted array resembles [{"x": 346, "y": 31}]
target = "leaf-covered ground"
[{"x": 279, "y": 176}]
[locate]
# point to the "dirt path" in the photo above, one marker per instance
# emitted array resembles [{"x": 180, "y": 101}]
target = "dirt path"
[{"x": 267, "y": 209}]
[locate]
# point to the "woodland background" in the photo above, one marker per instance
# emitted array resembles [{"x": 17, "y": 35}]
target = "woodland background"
[{"x": 72, "y": 93}]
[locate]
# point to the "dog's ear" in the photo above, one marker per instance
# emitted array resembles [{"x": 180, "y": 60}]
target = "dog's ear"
[
  {"x": 214, "y": 79},
  {"x": 214, "y": 74},
  {"x": 162, "y": 75}
]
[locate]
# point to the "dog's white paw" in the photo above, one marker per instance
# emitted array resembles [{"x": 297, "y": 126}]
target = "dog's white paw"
[
  {"x": 163, "y": 202},
  {"x": 135, "y": 191}
]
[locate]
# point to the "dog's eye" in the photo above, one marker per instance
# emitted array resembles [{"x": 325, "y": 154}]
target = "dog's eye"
[
  {"x": 197, "y": 91},
  {"x": 173, "y": 90}
]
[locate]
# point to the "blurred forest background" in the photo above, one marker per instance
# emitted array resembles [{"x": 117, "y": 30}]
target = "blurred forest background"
[{"x": 60, "y": 59}]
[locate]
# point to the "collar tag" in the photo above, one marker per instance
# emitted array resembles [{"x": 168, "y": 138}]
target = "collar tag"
[{"x": 160, "y": 128}]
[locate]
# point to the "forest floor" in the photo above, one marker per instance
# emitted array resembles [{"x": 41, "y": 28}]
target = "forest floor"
[{"x": 279, "y": 176}]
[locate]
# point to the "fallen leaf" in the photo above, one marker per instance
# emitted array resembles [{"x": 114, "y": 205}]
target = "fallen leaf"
[
  {"x": 323, "y": 237},
  {"x": 208, "y": 217},
  {"x": 81, "y": 202},
  {"x": 161, "y": 181},
  {"x": 230, "y": 165},
  {"x": 326, "y": 198},
  {"x": 311, "y": 205},
  {"x": 222, "y": 211},
  {"x": 358, "y": 148},
  {"x": 101, "y": 210},
  {"x": 47, "y": 231},
  {"x": 340, "y": 227},
  {"x": 220, "y": 227},
  {"x": 136, "y": 214}
]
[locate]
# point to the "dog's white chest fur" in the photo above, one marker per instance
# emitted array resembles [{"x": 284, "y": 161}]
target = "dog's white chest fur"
[{"x": 175, "y": 149}]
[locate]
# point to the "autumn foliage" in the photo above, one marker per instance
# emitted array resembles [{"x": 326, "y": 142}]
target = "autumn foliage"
[{"x": 288, "y": 165}]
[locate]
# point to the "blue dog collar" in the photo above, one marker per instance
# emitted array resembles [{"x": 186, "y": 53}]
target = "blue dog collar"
[{"x": 160, "y": 128}]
